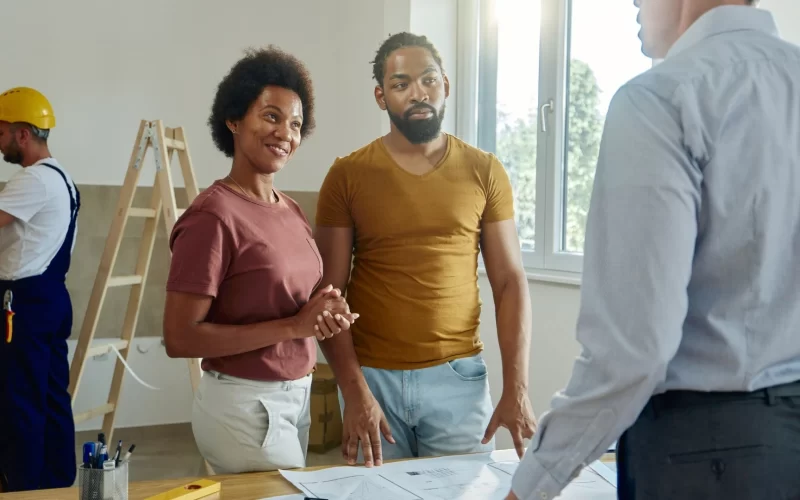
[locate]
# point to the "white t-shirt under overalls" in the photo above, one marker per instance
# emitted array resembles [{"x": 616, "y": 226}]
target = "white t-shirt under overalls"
[{"x": 38, "y": 199}]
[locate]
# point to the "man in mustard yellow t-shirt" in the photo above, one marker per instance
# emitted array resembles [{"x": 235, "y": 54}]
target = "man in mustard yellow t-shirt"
[{"x": 411, "y": 210}]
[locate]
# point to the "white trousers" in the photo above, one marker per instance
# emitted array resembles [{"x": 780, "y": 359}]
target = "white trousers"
[{"x": 243, "y": 425}]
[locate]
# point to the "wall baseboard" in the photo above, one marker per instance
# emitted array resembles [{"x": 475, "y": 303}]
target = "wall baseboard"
[{"x": 139, "y": 406}]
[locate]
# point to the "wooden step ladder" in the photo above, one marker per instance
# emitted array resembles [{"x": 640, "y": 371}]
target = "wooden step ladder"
[{"x": 163, "y": 141}]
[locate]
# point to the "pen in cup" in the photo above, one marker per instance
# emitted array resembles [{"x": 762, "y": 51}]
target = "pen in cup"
[
  {"x": 118, "y": 453},
  {"x": 128, "y": 453},
  {"x": 101, "y": 457}
]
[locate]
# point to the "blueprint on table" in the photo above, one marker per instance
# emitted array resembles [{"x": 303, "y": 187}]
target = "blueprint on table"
[{"x": 485, "y": 476}]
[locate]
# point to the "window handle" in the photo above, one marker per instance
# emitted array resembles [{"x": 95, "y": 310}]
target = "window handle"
[{"x": 542, "y": 116}]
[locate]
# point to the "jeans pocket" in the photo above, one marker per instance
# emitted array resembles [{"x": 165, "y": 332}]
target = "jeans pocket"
[
  {"x": 469, "y": 369},
  {"x": 270, "y": 434}
]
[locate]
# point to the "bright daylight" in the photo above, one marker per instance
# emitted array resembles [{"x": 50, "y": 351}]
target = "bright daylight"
[{"x": 604, "y": 53}]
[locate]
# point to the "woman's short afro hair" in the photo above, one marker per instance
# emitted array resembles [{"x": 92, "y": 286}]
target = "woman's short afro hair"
[{"x": 245, "y": 82}]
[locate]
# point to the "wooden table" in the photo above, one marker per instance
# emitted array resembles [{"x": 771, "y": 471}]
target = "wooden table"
[{"x": 251, "y": 486}]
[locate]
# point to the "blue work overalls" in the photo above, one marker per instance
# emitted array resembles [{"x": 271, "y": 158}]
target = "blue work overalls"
[{"x": 37, "y": 429}]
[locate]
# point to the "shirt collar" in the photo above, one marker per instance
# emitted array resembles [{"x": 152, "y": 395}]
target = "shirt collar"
[
  {"x": 49, "y": 159},
  {"x": 725, "y": 19}
]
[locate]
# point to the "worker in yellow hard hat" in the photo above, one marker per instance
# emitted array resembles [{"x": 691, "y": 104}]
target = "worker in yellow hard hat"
[{"x": 38, "y": 216}]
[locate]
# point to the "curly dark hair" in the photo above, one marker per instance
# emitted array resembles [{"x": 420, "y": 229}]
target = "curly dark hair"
[
  {"x": 245, "y": 82},
  {"x": 399, "y": 41}
]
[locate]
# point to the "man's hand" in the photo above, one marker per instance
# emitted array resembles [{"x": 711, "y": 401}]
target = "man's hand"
[
  {"x": 364, "y": 421},
  {"x": 513, "y": 412},
  {"x": 511, "y": 496}
]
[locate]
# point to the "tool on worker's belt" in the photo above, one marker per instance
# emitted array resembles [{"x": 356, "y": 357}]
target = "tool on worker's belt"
[{"x": 7, "y": 299}]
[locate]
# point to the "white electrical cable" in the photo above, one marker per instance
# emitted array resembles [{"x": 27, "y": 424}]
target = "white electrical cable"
[{"x": 127, "y": 367}]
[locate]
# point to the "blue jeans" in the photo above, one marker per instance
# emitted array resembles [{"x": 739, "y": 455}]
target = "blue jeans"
[{"x": 441, "y": 410}]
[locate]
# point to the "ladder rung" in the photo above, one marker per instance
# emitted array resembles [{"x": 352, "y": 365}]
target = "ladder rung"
[
  {"x": 105, "y": 348},
  {"x": 147, "y": 213},
  {"x": 174, "y": 143},
  {"x": 94, "y": 412},
  {"x": 134, "y": 279}
]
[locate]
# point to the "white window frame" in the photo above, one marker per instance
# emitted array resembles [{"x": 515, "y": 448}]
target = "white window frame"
[
  {"x": 476, "y": 122},
  {"x": 553, "y": 85}
]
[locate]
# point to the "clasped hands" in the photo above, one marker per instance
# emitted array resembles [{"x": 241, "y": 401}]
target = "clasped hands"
[{"x": 325, "y": 314}]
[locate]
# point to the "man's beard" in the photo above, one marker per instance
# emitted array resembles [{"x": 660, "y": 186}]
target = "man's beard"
[
  {"x": 13, "y": 154},
  {"x": 419, "y": 131}
]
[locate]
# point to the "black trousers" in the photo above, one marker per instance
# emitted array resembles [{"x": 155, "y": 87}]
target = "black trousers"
[{"x": 713, "y": 446}]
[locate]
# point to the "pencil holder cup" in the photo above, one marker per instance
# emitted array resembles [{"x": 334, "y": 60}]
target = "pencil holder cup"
[{"x": 103, "y": 484}]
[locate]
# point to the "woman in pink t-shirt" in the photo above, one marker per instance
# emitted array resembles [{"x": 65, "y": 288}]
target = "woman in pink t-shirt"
[{"x": 242, "y": 288}]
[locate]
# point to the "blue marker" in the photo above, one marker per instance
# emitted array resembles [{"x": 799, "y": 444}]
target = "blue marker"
[
  {"x": 101, "y": 457},
  {"x": 89, "y": 449}
]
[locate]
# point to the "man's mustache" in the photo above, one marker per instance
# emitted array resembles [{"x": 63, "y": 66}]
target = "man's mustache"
[{"x": 417, "y": 108}]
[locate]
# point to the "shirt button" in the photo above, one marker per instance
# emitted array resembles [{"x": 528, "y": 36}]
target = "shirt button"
[{"x": 543, "y": 495}]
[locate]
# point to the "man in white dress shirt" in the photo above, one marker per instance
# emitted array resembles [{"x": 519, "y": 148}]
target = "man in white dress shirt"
[{"x": 690, "y": 299}]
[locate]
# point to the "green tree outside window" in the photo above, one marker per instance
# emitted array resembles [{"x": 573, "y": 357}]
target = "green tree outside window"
[{"x": 516, "y": 148}]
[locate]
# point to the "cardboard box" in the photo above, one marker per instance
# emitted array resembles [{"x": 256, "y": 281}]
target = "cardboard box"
[{"x": 326, "y": 417}]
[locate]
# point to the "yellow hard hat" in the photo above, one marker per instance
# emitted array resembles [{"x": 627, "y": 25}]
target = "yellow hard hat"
[{"x": 24, "y": 104}]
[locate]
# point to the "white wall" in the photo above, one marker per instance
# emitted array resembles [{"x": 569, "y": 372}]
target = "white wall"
[
  {"x": 138, "y": 405},
  {"x": 107, "y": 65},
  {"x": 787, "y": 15}
]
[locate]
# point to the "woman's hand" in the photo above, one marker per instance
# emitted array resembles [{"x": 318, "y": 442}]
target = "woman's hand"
[
  {"x": 329, "y": 323},
  {"x": 324, "y": 315}
]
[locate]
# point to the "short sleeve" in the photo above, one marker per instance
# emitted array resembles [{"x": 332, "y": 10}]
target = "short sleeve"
[
  {"x": 201, "y": 247},
  {"x": 500, "y": 195},
  {"x": 333, "y": 207},
  {"x": 24, "y": 195}
]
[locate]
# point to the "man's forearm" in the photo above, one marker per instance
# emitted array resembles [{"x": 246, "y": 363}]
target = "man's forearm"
[
  {"x": 341, "y": 355},
  {"x": 513, "y": 312},
  {"x": 336, "y": 248}
]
